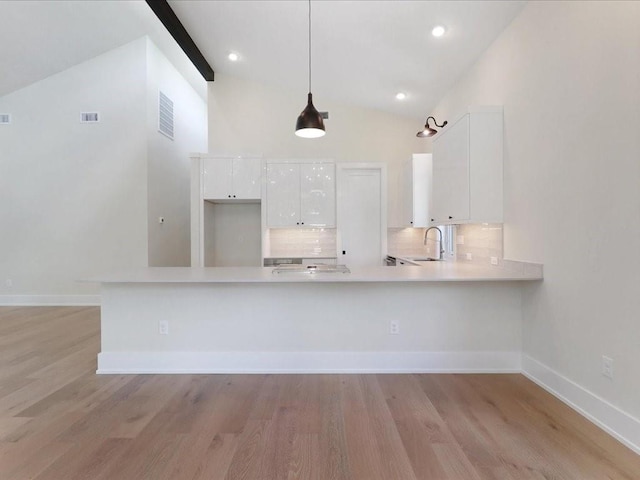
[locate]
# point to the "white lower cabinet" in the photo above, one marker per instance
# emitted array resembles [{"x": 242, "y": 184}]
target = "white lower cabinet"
[{"x": 301, "y": 194}]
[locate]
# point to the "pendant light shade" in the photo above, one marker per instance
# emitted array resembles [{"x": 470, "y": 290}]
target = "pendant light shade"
[
  {"x": 430, "y": 131},
  {"x": 309, "y": 123}
]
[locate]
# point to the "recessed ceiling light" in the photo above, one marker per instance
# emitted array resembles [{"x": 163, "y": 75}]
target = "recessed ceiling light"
[
  {"x": 401, "y": 96},
  {"x": 438, "y": 31},
  {"x": 234, "y": 57}
]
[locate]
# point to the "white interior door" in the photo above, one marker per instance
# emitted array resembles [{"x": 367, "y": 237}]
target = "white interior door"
[{"x": 361, "y": 216}]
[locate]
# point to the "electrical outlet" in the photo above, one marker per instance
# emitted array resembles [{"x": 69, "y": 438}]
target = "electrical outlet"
[
  {"x": 394, "y": 327},
  {"x": 607, "y": 366},
  {"x": 163, "y": 327},
  {"x": 494, "y": 260},
  {"x": 469, "y": 256},
  {"x": 160, "y": 219},
  {"x": 8, "y": 282}
]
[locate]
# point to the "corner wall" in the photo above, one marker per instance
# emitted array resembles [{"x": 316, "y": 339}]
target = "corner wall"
[
  {"x": 169, "y": 168},
  {"x": 73, "y": 198},
  {"x": 568, "y": 75}
]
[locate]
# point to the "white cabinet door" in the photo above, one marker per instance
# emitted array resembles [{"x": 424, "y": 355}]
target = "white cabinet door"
[
  {"x": 283, "y": 195},
  {"x": 407, "y": 194},
  {"x": 217, "y": 175},
  {"x": 450, "y": 190},
  {"x": 318, "y": 195},
  {"x": 416, "y": 187},
  {"x": 421, "y": 182},
  {"x": 247, "y": 173}
]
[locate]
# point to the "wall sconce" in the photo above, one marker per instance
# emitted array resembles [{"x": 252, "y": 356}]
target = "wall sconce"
[{"x": 429, "y": 131}]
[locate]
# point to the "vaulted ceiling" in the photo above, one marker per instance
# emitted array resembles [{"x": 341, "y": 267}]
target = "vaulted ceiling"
[{"x": 363, "y": 52}]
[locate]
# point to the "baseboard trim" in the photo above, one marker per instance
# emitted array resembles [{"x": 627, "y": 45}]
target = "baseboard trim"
[
  {"x": 49, "y": 300},
  {"x": 308, "y": 362},
  {"x": 617, "y": 423}
]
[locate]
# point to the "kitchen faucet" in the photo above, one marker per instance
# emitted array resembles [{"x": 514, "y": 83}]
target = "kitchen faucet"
[{"x": 426, "y": 232}]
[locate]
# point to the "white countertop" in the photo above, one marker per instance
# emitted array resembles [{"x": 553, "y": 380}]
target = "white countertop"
[{"x": 432, "y": 272}]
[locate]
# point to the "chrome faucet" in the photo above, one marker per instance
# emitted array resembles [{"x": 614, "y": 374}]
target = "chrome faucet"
[{"x": 441, "y": 251}]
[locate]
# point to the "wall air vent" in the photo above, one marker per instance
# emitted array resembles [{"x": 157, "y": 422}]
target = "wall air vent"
[
  {"x": 5, "y": 118},
  {"x": 89, "y": 117},
  {"x": 165, "y": 115}
]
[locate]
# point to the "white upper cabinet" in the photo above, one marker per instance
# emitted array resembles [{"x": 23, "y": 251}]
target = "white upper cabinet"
[
  {"x": 416, "y": 186},
  {"x": 318, "y": 194},
  {"x": 301, "y": 194},
  {"x": 231, "y": 178},
  {"x": 283, "y": 194},
  {"x": 467, "y": 169}
]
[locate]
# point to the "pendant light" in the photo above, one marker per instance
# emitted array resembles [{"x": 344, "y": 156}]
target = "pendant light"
[
  {"x": 430, "y": 131},
  {"x": 309, "y": 123}
]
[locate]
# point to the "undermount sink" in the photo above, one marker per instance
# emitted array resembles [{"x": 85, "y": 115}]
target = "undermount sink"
[
  {"x": 423, "y": 259},
  {"x": 310, "y": 269}
]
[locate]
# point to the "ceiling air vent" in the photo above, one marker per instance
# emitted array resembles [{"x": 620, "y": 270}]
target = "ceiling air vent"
[
  {"x": 89, "y": 117},
  {"x": 5, "y": 118},
  {"x": 165, "y": 115}
]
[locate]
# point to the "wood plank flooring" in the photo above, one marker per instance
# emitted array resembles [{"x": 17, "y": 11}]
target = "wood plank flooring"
[{"x": 61, "y": 421}]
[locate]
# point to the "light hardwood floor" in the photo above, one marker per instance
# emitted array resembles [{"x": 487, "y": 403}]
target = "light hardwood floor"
[{"x": 61, "y": 421}]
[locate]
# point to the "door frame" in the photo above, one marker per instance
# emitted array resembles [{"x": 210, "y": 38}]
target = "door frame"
[{"x": 341, "y": 170}]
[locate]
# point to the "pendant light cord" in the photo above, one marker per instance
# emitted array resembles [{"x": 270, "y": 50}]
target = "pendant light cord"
[{"x": 309, "y": 46}]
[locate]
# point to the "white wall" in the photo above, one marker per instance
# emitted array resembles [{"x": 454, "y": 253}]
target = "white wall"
[
  {"x": 169, "y": 167},
  {"x": 73, "y": 197},
  {"x": 568, "y": 75},
  {"x": 251, "y": 118}
]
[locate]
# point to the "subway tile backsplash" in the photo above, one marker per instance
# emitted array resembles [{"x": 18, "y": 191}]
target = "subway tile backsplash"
[
  {"x": 406, "y": 241},
  {"x": 482, "y": 241},
  {"x": 301, "y": 242}
]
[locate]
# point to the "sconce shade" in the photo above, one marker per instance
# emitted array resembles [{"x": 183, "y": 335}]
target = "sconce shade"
[
  {"x": 427, "y": 132},
  {"x": 309, "y": 123}
]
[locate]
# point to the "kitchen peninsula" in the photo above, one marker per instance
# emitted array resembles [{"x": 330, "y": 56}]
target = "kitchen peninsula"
[{"x": 445, "y": 316}]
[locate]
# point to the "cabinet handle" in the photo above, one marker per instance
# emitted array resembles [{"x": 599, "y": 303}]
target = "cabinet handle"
[
  {"x": 450, "y": 217},
  {"x": 432, "y": 220},
  {"x": 301, "y": 223},
  {"x": 297, "y": 223},
  {"x": 234, "y": 196},
  {"x": 344, "y": 252},
  {"x": 411, "y": 223},
  {"x": 229, "y": 196}
]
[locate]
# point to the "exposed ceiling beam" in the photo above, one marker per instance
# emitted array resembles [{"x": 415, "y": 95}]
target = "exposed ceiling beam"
[{"x": 171, "y": 22}]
